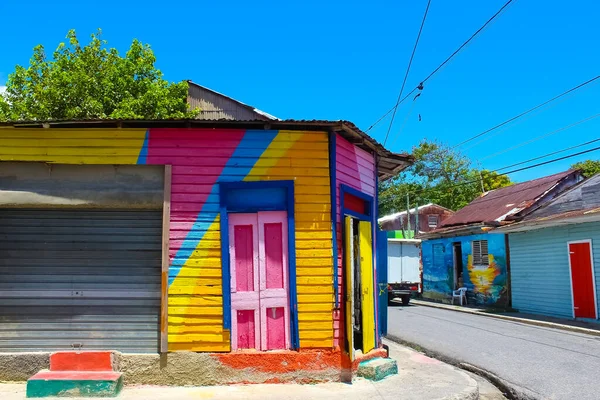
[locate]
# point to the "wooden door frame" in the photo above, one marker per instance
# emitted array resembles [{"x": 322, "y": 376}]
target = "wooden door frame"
[
  {"x": 589, "y": 242},
  {"x": 370, "y": 217},
  {"x": 165, "y": 261},
  {"x": 257, "y": 205}
]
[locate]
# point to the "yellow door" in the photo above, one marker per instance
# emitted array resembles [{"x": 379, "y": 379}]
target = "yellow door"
[
  {"x": 348, "y": 258},
  {"x": 366, "y": 283}
]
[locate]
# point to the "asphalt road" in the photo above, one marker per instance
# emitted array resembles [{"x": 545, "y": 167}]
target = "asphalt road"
[{"x": 548, "y": 363}]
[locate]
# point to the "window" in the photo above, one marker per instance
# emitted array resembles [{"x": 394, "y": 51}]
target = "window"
[
  {"x": 480, "y": 252},
  {"x": 432, "y": 220}
]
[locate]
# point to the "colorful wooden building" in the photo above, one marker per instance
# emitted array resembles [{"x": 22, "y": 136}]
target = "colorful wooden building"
[{"x": 227, "y": 239}]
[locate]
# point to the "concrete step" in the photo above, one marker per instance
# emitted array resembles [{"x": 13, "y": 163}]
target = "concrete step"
[
  {"x": 75, "y": 384},
  {"x": 81, "y": 361},
  {"x": 377, "y": 368}
]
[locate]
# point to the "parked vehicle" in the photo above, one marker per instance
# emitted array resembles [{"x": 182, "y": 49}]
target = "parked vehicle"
[{"x": 404, "y": 272}]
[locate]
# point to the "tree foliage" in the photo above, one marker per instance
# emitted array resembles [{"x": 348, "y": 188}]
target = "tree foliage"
[
  {"x": 588, "y": 168},
  {"x": 440, "y": 175},
  {"x": 92, "y": 82}
]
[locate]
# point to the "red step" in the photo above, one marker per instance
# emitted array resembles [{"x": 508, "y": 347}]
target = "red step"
[
  {"x": 76, "y": 375},
  {"x": 81, "y": 361}
]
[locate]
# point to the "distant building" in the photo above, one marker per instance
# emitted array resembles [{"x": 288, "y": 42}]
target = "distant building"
[
  {"x": 430, "y": 217},
  {"x": 553, "y": 251},
  {"x": 217, "y": 106},
  {"x": 461, "y": 252}
]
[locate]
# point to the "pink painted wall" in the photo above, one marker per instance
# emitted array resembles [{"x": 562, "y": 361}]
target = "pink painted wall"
[{"x": 355, "y": 167}]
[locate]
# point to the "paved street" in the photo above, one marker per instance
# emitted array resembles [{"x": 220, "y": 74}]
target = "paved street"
[{"x": 552, "y": 364}]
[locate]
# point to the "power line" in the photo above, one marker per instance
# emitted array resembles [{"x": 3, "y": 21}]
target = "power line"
[
  {"x": 548, "y": 155},
  {"x": 468, "y": 40},
  {"x": 515, "y": 170},
  {"x": 420, "y": 86},
  {"x": 564, "y": 128},
  {"x": 528, "y": 111},
  {"x": 407, "y": 71},
  {"x": 405, "y": 120}
]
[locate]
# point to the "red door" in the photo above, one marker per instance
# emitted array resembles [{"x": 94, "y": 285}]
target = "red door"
[{"x": 582, "y": 280}]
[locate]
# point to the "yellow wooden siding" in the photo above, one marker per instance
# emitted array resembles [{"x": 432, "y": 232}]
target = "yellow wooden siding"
[{"x": 314, "y": 270}]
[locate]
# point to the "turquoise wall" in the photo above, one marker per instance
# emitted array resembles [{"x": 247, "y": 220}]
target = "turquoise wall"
[
  {"x": 539, "y": 260},
  {"x": 485, "y": 284}
]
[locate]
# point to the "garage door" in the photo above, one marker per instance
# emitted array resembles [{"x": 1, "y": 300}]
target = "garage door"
[{"x": 88, "y": 278}]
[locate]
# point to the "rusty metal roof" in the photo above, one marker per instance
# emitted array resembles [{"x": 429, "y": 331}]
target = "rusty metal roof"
[
  {"x": 389, "y": 164},
  {"x": 498, "y": 206}
]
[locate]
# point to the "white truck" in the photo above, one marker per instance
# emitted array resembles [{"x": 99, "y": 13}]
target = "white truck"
[{"x": 404, "y": 269}]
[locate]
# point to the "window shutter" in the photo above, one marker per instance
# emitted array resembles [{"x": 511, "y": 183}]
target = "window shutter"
[
  {"x": 432, "y": 221},
  {"x": 480, "y": 252},
  {"x": 485, "y": 259}
]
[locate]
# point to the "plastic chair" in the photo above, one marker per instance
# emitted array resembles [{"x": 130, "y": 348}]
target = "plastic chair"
[{"x": 460, "y": 293}]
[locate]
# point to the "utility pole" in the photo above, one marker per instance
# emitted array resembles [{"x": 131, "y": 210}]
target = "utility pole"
[
  {"x": 481, "y": 177},
  {"x": 416, "y": 217},
  {"x": 408, "y": 212}
]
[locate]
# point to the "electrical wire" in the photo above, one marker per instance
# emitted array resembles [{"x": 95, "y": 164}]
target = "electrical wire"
[
  {"x": 525, "y": 143},
  {"x": 439, "y": 67},
  {"x": 407, "y": 71},
  {"x": 549, "y": 154},
  {"x": 514, "y": 170},
  {"x": 404, "y": 122},
  {"x": 527, "y": 112}
]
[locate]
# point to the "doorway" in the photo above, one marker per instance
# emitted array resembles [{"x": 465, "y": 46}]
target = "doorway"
[
  {"x": 258, "y": 250},
  {"x": 360, "y": 302},
  {"x": 458, "y": 265},
  {"x": 583, "y": 284}
]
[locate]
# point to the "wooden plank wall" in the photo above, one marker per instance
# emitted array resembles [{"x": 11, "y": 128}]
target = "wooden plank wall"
[
  {"x": 355, "y": 167},
  {"x": 200, "y": 159}
]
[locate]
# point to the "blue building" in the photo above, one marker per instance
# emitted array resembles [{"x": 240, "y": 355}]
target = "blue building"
[
  {"x": 555, "y": 255},
  {"x": 465, "y": 251}
]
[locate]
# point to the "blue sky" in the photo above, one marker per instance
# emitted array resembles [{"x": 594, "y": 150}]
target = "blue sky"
[{"x": 346, "y": 60}]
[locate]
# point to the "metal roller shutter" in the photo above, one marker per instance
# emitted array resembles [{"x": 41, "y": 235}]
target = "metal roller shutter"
[{"x": 88, "y": 277}]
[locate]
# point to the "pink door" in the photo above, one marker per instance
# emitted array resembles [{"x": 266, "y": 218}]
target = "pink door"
[{"x": 259, "y": 282}]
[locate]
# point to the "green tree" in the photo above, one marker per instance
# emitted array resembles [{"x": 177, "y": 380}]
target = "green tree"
[
  {"x": 588, "y": 167},
  {"x": 92, "y": 82},
  {"x": 440, "y": 175}
]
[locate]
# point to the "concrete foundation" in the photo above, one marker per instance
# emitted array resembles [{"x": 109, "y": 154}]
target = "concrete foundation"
[
  {"x": 18, "y": 367},
  {"x": 204, "y": 369}
]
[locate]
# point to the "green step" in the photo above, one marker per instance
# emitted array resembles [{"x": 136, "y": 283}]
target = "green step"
[
  {"x": 377, "y": 368},
  {"x": 75, "y": 384}
]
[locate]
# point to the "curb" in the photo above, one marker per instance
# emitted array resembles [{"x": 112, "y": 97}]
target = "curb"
[
  {"x": 471, "y": 392},
  {"x": 526, "y": 321},
  {"x": 511, "y": 391}
]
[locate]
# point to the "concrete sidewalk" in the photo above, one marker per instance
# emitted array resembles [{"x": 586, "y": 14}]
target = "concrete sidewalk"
[
  {"x": 530, "y": 319},
  {"x": 419, "y": 377}
]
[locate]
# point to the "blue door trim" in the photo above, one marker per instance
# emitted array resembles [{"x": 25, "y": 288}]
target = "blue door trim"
[
  {"x": 367, "y": 198},
  {"x": 259, "y": 189},
  {"x": 373, "y": 220},
  {"x": 333, "y": 181}
]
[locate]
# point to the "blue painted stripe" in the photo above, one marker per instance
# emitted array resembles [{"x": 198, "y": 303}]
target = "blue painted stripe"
[
  {"x": 143, "y": 157},
  {"x": 232, "y": 168},
  {"x": 333, "y": 179}
]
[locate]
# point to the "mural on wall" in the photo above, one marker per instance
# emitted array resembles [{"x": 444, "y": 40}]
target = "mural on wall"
[
  {"x": 201, "y": 159},
  {"x": 486, "y": 284}
]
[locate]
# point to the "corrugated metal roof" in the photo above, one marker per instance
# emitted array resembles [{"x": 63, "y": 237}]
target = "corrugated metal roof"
[
  {"x": 389, "y": 164},
  {"x": 496, "y": 206},
  {"x": 391, "y": 217},
  {"x": 226, "y": 108}
]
